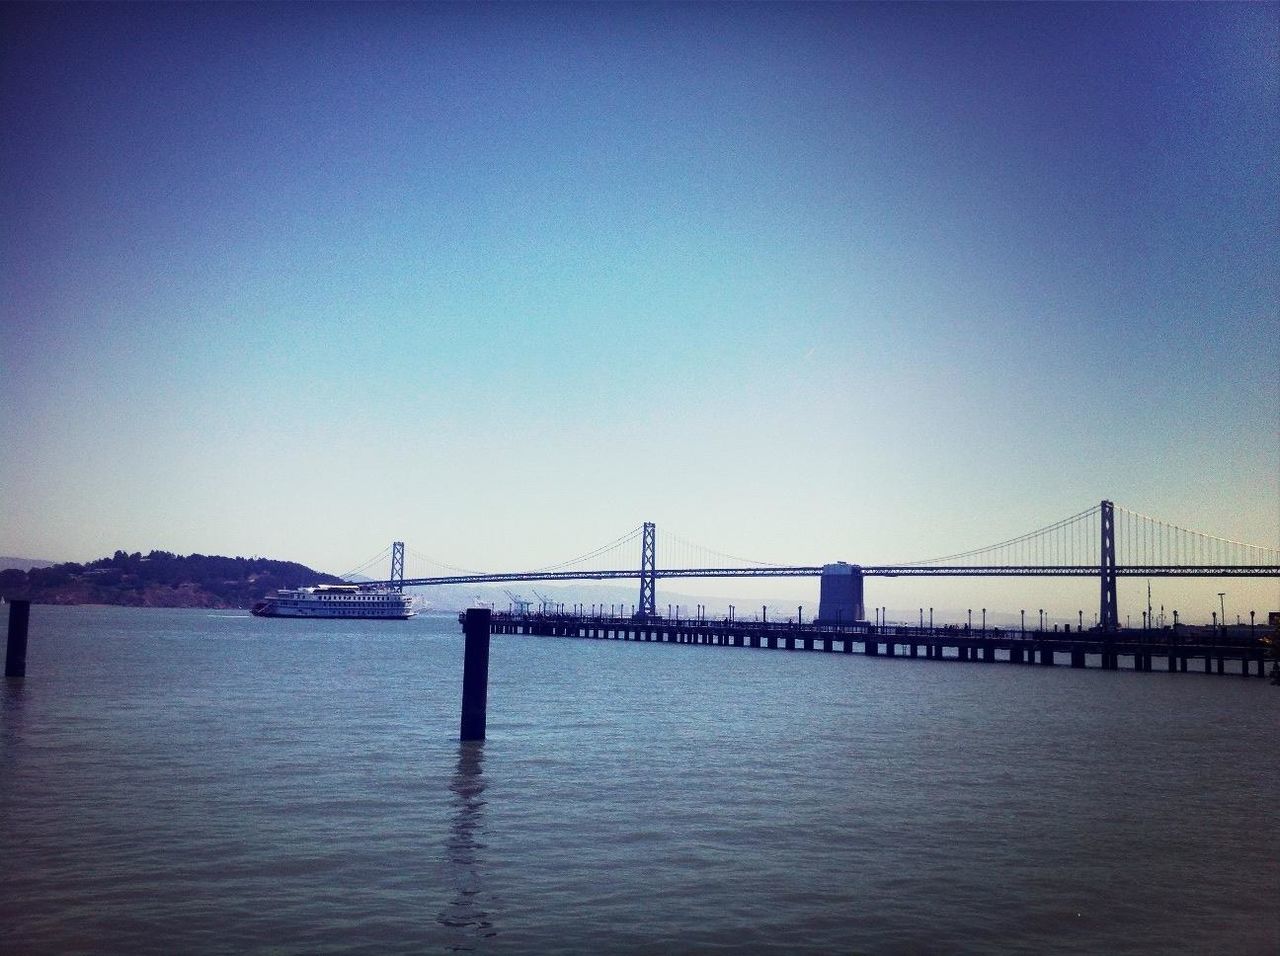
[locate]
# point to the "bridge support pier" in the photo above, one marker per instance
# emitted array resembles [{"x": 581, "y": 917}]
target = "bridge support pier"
[{"x": 840, "y": 599}]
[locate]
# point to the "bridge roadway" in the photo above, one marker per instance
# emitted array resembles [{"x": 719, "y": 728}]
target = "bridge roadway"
[
  {"x": 1176, "y": 651},
  {"x": 868, "y": 570}
]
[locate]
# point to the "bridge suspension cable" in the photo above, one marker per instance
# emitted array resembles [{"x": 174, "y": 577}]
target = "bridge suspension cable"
[
  {"x": 677, "y": 552},
  {"x": 1146, "y": 541},
  {"x": 383, "y": 555},
  {"x": 436, "y": 563},
  {"x": 1141, "y": 541},
  {"x": 1074, "y": 540},
  {"x": 615, "y": 554},
  {"x": 616, "y": 551}
]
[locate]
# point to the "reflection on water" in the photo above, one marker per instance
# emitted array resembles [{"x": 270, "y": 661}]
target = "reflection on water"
[
  {"x": 12, "y": 708},
  {"x": 464, "y": 846}
]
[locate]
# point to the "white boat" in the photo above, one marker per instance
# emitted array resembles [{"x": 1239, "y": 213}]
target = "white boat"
[{"x": 336, "y": 600}]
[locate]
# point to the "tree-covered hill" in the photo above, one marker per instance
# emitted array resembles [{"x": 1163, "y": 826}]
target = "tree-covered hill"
[{"x": 159, "y": 579}]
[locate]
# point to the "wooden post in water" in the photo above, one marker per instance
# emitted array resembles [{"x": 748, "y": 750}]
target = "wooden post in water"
[
  {"x": 15, "y": 657},
  {"x": 475, "y": 673}
]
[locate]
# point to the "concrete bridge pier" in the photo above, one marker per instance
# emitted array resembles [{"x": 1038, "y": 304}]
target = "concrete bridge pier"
[{"x": 840, "y": 594}]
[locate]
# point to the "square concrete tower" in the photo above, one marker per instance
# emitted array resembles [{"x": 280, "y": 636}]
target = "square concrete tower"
[{"x": 840, "y": 595}]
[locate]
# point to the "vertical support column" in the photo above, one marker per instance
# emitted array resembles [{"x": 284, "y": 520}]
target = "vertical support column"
[
  {"x": 15, "y": 655},
  {"x": 1108, "y": 613},
  {"x": 475, "y": 673},
  {"x": 397, "y": 566},
  {"x": 648, "y": 607},
  {"x": 840, "y": 593}
]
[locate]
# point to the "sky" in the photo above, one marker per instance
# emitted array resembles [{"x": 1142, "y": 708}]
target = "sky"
[{"x": 799, "y": 283}]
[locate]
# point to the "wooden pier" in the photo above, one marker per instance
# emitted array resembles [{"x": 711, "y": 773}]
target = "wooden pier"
[{"x": 1166, "y": 651}]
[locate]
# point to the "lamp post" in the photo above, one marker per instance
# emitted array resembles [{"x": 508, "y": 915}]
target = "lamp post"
[
  {"x": 969, "y": 626},
  {"x": 1222, "y": 606},
  {"x": 1042, "y": 619},
  {"x": 1080, "y": 626},
  {"x": 1024, "y": 622},
  {"x": 984, "y": 620}
]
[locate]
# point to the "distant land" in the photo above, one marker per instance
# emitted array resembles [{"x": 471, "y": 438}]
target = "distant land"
[
  {"x": 158, "y": 579},
  {"x": 24, "y": 564}
]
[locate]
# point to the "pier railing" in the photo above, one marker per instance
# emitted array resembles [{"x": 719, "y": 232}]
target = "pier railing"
[{"x": 1178, "y": 648}]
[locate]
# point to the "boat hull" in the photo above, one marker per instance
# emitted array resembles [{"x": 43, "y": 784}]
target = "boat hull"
[{"x": 271, "y": 609}]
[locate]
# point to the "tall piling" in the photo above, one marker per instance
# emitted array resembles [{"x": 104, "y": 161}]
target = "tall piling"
[
  {"x": 15, "y": 655},
  {"x": 475, "y": 673}
]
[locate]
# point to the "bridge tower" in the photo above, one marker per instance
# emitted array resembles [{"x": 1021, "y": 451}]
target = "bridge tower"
[
  {"x": 648, "y": 573},
  {"x": 1108, "y": 614},
  {"x": 397, "y": 565}
]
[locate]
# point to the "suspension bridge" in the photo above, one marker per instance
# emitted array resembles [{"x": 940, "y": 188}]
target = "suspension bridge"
[{"x": 1105, "y": 541}]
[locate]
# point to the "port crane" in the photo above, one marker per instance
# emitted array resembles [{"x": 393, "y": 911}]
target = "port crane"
[
  {"x": 518, "y": 604},
  {"x": 548, "y": 606}
]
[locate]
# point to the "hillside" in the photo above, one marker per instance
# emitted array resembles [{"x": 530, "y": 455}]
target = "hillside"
[
  {"x": 23, "y": 564},
  {"x": 159, "y": 579}
]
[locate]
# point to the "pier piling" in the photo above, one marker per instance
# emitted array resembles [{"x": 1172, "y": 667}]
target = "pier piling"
[
  {"x": 15, "y": 657},
  {"x": 475, "y": 673}
]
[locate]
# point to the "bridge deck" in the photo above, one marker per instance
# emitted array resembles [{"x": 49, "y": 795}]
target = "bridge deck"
[{"x": 867, "y": 570}]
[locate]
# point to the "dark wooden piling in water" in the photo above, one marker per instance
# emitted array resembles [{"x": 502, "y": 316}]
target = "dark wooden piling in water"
[
  {"x": 15, "y": 654},
  {"x": 475, "y": 673}
]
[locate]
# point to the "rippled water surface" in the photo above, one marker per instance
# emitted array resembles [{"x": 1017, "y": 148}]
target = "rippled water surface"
[{"x": 207, "y": 782}]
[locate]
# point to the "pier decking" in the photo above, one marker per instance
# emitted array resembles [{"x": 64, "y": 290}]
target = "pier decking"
[{"x": 1165, "y": 650}]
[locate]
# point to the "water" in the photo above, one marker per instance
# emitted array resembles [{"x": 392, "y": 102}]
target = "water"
[{"x": 206, "y": 782}]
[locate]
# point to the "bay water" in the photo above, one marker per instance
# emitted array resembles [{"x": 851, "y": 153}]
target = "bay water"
[{"x": 190, "y": 781}]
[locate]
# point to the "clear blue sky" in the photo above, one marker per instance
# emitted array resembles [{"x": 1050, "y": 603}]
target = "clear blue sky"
[{"x": 796, "y": 282}]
